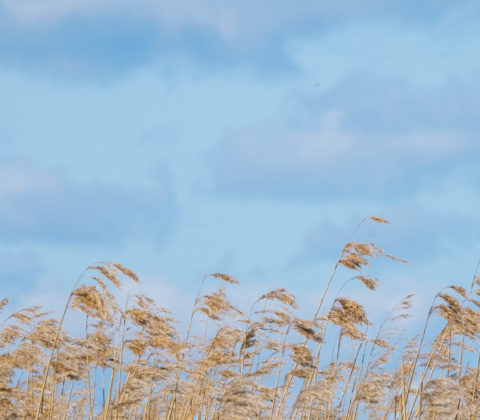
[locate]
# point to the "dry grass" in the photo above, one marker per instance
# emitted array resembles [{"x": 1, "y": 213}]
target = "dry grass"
[{"x": 130, "y": 362}]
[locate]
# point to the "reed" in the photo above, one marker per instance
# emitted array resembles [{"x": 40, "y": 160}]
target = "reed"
[{"x": 130, "y": 361}]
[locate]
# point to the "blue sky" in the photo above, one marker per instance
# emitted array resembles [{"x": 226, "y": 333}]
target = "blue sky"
[{"x": 182, "y": 138}]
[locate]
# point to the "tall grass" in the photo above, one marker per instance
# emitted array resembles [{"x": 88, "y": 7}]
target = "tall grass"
[{"x": 129, "y": 361}]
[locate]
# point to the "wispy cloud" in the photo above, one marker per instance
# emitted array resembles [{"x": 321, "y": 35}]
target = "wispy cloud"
[
  {"x": 101, "y": 39},
  {"x": 46, "y": 206},
  {"x": 367, "y": 136},
  {"x": 217, "y": 13}
]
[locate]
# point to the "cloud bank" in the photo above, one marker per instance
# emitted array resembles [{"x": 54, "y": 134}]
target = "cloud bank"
[
  {"x": 105, "y": 38},
  {"x": 366, "y": 136}
]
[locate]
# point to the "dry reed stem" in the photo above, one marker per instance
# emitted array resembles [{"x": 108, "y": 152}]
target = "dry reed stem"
[{"x": 136, "y": 362}]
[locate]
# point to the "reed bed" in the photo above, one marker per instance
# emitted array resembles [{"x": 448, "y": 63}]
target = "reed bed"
[{"x": 129, "y": 361}]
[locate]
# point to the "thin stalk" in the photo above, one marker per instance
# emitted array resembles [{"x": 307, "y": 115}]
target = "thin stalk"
[
  {"x": 387, "y": 410},
  {"x": 109, "y": 395},
  {"x": 118, "y": 348},
  {"x": 317, "y": 311},
  {"x": 476, "y": 379},
  {"x": 90, "y": 407},
  {"x": 177, "y": 375},
  {"x": 147, "y": 404},
  {"x": 279, "y": 371},
  {"x": 199, "y": 375},
  {"x": 122, "y": 341},
  {"x": 52, "y": 398},
  {"x": 419, "y": 349},
  {"x": 94, "y": 388},
  {"x": 404, "y": 400},
  {"x": 440, "y": 340},
  {"x": 460, "y": 359},
  {"x": 55, "y": 342},
  {"x": 324, "y": 294},
  {"x": 350, "y": 375},
  {"x": 68, "y": 401}
]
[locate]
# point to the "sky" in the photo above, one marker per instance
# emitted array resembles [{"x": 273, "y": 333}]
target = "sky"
[{"x": 248, "y": 138}]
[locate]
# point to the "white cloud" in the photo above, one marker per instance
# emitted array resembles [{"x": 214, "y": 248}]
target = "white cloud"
[
  {"x": 16, "y": 179},
  {"x": 232, "y": 21},
  {"x": 108, "y": 38},
  {"x": 366, "y": 135},
  {"x": 39, "y": 11},
  {"x": 330, "y": 158}
]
